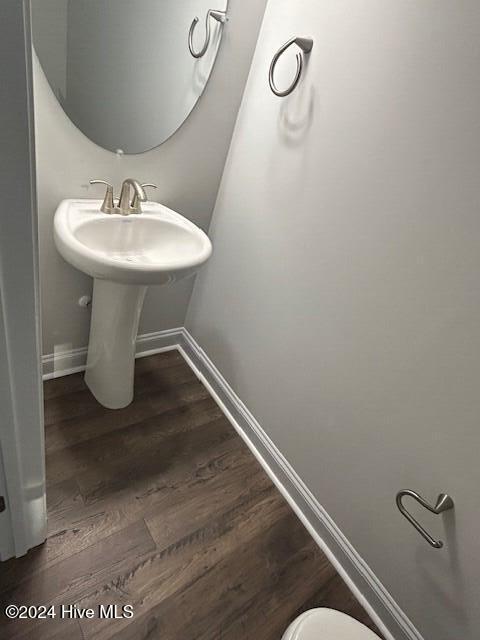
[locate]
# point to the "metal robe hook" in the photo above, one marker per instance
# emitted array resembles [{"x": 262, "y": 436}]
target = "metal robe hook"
[
  {"x": 444, "y": 503},
  {"x": 306, "y": 45},
  {"x": 219, "y": 16}
]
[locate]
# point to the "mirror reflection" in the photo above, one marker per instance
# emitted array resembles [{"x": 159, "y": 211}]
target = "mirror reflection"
[{"x": 128, "y": 72}]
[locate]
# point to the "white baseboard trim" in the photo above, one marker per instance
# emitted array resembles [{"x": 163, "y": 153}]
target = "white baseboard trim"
[
  {"x": 370, "y": 592},
  {"x": 64, "y": 363}
]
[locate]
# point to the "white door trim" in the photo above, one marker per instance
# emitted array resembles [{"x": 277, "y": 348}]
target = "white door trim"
[{"x": 21, "y": 428}]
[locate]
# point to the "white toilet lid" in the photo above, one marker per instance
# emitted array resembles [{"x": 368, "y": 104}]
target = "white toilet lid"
[{"x": 327, "y": 624}]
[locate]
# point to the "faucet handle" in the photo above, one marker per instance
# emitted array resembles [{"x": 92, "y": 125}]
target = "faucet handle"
[
  {"x": 108, "y": 205},
  {"x": 136, "y": 202}
]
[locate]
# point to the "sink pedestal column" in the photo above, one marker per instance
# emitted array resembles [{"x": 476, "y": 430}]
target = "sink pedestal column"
[{"x": 116, "y": 310}]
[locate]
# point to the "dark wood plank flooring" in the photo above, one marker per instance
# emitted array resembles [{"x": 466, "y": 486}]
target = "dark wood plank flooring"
[{"x": 161, "y": 506}]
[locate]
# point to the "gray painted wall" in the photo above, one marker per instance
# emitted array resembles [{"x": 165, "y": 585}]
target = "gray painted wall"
[
  {"x": 187, "y": 169},
  {"x": 49, "y": 30},
  {"x": 342, "y": 301}
]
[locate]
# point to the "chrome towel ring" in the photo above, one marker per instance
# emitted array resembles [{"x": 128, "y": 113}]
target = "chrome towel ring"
[
  {"x": 306, "y": 45},
  {"x": 444, "y": 503},
  {"x": 219, "y": 16}
]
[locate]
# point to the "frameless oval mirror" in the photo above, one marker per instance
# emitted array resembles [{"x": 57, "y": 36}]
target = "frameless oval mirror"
[{"x": 128, "y": 72}]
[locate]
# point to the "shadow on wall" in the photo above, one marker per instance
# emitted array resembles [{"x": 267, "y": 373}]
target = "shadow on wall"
[
  {"x": 203, "y": 66},
  {"x": 297, "y": 113},
  {"x": 453, "y": 600}
]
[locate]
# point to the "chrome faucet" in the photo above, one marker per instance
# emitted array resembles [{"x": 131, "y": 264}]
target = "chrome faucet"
[
  {"x": 136, "y": 207},
  {"x": 108, "y": 205},
  {"x": 125, "y": 205}
]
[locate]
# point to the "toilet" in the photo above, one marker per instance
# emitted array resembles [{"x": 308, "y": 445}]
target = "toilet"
[{"x": 327, "y": 624}]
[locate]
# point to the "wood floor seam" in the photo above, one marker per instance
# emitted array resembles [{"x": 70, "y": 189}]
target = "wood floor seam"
[{"x": 192, "y": 385}]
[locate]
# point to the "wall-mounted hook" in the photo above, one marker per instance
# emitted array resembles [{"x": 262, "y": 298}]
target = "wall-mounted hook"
[
  {"x": 306, "y": 45},
  {"x": 444, "y": 503},
  {"x": 219, "y": 16}
]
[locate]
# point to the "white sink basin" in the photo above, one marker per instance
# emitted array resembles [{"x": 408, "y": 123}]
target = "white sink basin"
[
  {"x": 155, "y": 247},
  {"x": 124, "y": 254}
]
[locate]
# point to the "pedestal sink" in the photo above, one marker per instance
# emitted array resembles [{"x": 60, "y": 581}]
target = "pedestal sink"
[{"x": 124, "y": 255}]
